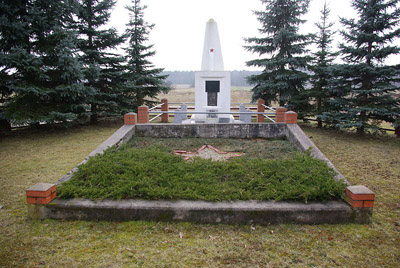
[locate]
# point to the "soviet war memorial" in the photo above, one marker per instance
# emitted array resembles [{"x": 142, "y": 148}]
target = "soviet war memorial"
[{"x": 260, "y": 133}]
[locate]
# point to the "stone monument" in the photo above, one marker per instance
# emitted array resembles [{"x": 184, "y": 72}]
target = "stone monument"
[{"x": 212, "y": 83}]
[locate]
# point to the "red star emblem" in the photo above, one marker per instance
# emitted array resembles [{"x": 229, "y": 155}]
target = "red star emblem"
[
  {"x": 208, "y": 152},
  {"x": 211, "y": 50}
]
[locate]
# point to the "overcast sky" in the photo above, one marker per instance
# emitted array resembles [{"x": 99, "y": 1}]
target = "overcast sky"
[{"x": 178, "y": 34}]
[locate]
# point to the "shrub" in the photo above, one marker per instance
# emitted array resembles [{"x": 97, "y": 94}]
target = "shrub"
[{"x": 153, "y": 173}]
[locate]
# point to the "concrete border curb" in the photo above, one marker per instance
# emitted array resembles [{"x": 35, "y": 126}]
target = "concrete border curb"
[
  {"x": 237, "y": 212},
  {"x": 300, "y": 140},
  {"x": 122, "y": 135}
]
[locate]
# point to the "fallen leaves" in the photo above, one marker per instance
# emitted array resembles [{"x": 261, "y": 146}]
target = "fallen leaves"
[
  {"x": 168, "y": 230},
  {"x": 212, "y": 238}
]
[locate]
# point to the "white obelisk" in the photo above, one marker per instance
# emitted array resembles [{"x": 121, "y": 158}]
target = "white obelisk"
[
  {"x": 212, "y": 83},
  {"x": 212, "y": 52}
]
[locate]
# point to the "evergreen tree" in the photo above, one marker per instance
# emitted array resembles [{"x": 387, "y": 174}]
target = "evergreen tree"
[
  {"x": 319, "y": 92},
  {"x": 143, "y": 81},
  {"x": 365, "y": 85},
  {"x": 102, "y": 68},
  {"x": 14, "y": 39},
  {"x": 283, "y": 76},
  {"x": 48, "y": 74}
]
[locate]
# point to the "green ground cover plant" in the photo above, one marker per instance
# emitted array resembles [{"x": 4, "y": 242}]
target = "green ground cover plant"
[{"x": 155, "y": 173}]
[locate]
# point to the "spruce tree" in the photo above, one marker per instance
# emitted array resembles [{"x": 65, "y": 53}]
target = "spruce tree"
[
  {"x": 323, "y": 58},
  {"x": 102, "y": 67},
  {"x": 14, "y": 40},
  {"x": 48, "y": 87},
  {"x": 366, "y": 85},
  {"x": 282, "y": 52},
  {"x": 143, "y": 82}
]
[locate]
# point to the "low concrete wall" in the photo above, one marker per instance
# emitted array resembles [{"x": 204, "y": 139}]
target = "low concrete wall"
[
  {"x": 244, "y": 131},
  {"x": 122, "y": 135},
  {"x": 238, "y": 212},
  {"x": 299, "y": 139}
]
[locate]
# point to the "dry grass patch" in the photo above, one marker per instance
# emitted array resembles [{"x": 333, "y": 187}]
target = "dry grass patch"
[{"x": 238, "y": 95}]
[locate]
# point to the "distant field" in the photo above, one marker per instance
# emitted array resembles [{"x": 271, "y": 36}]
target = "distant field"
[{"x": 238, "y": 94}]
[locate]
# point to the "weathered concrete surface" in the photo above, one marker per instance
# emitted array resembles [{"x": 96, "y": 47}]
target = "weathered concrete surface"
[
  {"x": 244, "y": 131},
  {"x": 299, "y": 139},
  {"x": 238, "y": 212},
  {"x": 122, "y": 135}
]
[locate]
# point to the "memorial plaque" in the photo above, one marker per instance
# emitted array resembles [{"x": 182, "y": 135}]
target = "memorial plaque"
[
  {"x": 212, "y": 89},
  {"x": 212, "y": 98},
  {"x": 212, "y": 115},
  {"x": 212, "y": 86}
]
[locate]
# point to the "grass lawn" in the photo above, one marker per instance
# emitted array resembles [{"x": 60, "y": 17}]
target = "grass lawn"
[{"x": 26, "y": 159}]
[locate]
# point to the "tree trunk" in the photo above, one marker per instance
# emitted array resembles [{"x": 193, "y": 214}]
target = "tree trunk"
[
  {"x": 140, "y": 100},
  {"x": 35, "y": 125},
  {"x": 360, "y": 130},
  {"x": 363, "y": 117},
  {"x": 93, "y": 116},
  {"x": 5, "y": 126},
  {"x": 397, "y": 132},
  {"x": 319, "y": 108},
  {"x": 319, "y": 124},
  {"x": 281, "y": 102}
]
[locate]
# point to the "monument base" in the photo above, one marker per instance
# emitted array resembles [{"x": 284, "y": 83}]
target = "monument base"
[{"x": 210, "y": 119}]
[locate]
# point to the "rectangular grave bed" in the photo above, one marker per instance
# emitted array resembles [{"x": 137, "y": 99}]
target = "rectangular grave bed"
[{"x": 280, "y": 177}]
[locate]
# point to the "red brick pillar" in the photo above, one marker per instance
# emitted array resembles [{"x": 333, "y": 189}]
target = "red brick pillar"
[
  {"x": 260, "y": 109},
  {"x": 164, "y": 108},
  {"x": 143, "y": 115},
  {"x": 41, "y": 194},
  {"x": 280, "y": 115},
  {"x": 130, "y": 119},
  {"x": 291, "y": 117},
  {"x": 360, "y": 196}
]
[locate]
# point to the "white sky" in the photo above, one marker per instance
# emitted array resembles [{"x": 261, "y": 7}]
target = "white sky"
[{"x": 178, "y": 34}]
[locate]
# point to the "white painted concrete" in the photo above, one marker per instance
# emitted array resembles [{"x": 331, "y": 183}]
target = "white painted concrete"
[
  {"x": 212, "y": 69},
  {"x": 212, "y": 52},
  {"x": 224, "y": 96}
]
